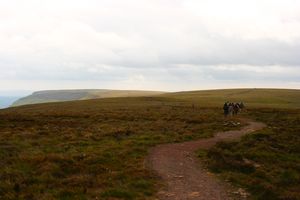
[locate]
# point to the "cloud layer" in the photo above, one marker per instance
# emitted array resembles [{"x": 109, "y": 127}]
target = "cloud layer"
[{"x": 149, "y": 44}]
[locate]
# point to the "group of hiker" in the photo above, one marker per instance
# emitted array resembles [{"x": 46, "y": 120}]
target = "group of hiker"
[{"x": 231, "y": 109}]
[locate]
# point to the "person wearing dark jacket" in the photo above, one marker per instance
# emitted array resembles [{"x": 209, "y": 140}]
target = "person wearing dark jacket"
[{"x": 226, "y": 109}]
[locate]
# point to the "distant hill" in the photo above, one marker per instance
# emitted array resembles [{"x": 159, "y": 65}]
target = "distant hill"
[
  {"x": 275, "y": 98},
  {"x": 71, "y": 95}
]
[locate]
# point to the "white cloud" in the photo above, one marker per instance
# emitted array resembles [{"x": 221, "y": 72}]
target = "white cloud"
[
  {"x": 256, "y": 19},
  {"x": 175, "y": 43}
]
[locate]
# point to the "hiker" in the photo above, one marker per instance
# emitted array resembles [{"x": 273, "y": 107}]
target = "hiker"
[
  {"x": 242, "y": 105},
  {"x": 230, "y": 109},
  {"x": 226, "y": 109},
  {"x": 236, "y": 108}
]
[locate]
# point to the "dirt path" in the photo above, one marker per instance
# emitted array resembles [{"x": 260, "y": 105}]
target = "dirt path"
[{"x": 182, "y": 172}]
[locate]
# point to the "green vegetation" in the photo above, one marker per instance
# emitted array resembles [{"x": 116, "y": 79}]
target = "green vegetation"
[
  {"x": 267, "y": 163},
  {"x": 71, "y": 95},
  {"x": 254, "y": 98},
  {"x": 96, "y": 148},
  {"x": 272, "y": 98},
  {"x": 93, "y": 148}
]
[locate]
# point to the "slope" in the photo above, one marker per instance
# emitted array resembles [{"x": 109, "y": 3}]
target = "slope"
[
  {"x": 71, "y": 95},
  {"x": 271, "y": 98}
]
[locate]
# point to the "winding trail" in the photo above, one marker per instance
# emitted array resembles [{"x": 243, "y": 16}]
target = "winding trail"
[{"x": 181, "y": 170}]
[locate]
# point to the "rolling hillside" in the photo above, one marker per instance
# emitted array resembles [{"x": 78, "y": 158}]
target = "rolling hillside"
[
  {"x": 71, "y": 95},
  {"x": 275, "y": 98},
  {"x": 95, "y": 149},
  {"x": 271, "y": 98}
]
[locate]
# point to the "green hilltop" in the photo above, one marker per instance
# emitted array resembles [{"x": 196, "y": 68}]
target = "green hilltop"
[
  {"x": 271, "y": 98},
  {"x": 47, "y": 96},
  {"x": 252, "y": 97}
]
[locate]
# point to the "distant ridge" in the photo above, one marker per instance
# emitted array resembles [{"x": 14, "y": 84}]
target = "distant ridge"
[
  {"x": 47, "y": 96},
  {"x": 253, "y": 97}
]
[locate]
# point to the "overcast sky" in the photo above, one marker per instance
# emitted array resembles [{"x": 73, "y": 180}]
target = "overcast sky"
[{"x": 149, "y": 44}]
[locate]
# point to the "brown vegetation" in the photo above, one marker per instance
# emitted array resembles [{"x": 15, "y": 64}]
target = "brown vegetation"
[
  {"x": 94, "y": 148},
  {"x": 267, "y": 162}
]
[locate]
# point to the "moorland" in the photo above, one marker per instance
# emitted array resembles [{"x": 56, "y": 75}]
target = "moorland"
[{"x": 95, "y": 149}]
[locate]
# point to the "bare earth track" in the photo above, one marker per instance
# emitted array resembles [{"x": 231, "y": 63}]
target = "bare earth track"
[{"x": 179, "y": 168}]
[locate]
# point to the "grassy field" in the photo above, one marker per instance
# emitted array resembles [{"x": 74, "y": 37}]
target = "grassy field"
[
  {"x": 95, "y": 149},
  {"x": 266, "y": 163},
  {"x": 254, "y": 98}
]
